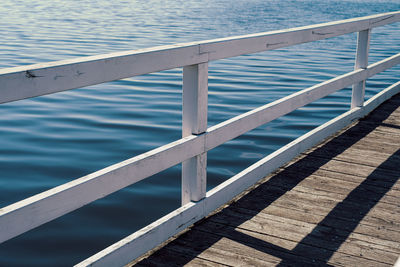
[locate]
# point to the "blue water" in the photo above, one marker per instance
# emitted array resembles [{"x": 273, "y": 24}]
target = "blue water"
[{"x": 47, "y": 141}]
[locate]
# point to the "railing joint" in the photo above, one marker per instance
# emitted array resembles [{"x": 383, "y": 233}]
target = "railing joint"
[{"x": 199, "y": 134}]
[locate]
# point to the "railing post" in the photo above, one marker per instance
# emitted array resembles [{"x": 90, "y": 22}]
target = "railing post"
[
  {"x": 363, "y": 39},
  {"x": 194, "y": 121}
]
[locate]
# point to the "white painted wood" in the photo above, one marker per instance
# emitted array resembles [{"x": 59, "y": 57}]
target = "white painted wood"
[
  {"x": 262, "y": 168},
  {"x": 58, "y": 201},
  {"x": 53, "y": 77},
  {"x": 379, "y": 98},
  {"x": 397, "y": 263},
  {"x": 194, "y": 121},
  {"x": 195, "y": 99},
  {"x": 194, "y": 178},
  {"x": 382, "y": 65},
  {"x": 41, "y": 208},
  {"x": 232, "y": 128},
  {"x": 47, "y": 78},
  {"x": 361, "y": 62},
  {"x": 149, "y": 237},
  {"x": 363, "y": 41},
  {"x": 240, "y": 45}
]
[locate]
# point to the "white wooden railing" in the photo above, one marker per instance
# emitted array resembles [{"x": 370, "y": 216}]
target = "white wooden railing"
[{"x": 40, "y": 79}]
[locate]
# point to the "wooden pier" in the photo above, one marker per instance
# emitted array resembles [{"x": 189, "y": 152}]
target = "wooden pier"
[{"x": 337, "y": 204}]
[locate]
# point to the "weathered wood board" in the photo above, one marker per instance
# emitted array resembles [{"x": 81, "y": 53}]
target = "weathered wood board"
[{"x": 337, "y": 204}]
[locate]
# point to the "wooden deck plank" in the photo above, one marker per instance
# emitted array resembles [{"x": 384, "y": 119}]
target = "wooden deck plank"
[
  {"x": 320, "y": 184},
  {"x": 341, "y": 186},
  {"x": 350, "y": 168},
  {"x": 172, "y": 258},
  {"x": 367, "y": 144},
  {"x": 379, "y": 182},
  {"x": 294, "y": 230},
  {"x": 360, "y": 156},
  {"x": 221, "y": 249},
  {"x": 313, "y": 218},
  {"x": 250, "y": 244},
  {"x": 310, "y": 253},
  {"x": 307, "y": 202},
  {"x": 336, "y": 204}
]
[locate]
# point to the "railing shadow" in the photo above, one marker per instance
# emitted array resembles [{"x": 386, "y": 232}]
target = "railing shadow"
[
  {"x": 306, "y": 252},
  {"x": 332, "y": 238}
]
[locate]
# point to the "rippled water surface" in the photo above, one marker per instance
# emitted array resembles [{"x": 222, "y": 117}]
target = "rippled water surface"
[{"x": 47, "y": 141}]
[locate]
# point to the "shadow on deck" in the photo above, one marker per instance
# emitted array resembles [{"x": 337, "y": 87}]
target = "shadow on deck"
[{"x": 338, "y": 204}]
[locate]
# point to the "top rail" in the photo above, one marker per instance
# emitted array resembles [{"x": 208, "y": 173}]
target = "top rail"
[{"x": 46, "y": 78}]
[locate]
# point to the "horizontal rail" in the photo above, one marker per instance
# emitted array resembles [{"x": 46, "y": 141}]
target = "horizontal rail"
[
  {"x": 147, "y": 238},
  {"x": 46, "y": 78},
  {"x": 232, "y": 128},
  {"x": 253, "y": 43},
  {"x": 65, "y": 198},
  {"x": 51, "y": 204}
]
